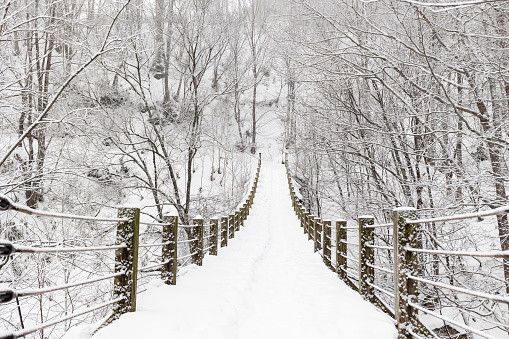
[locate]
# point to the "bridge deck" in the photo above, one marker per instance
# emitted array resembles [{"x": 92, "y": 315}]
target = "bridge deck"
[{"x": 267, "y": 283}]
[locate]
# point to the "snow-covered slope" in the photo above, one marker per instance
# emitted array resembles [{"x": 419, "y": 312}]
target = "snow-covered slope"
[{"x": 267, "y": 283}]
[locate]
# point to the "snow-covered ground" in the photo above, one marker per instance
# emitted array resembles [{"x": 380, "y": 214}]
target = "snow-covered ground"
[{"x": 267, "y": 283}]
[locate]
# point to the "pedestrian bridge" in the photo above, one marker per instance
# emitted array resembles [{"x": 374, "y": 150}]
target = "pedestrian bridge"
[{"x": 272, "y": 271}]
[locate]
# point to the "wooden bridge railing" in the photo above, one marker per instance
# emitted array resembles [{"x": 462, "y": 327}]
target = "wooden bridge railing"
[
  {"x": 360, "y": 267},
  {"x": 201, "y": 239}
]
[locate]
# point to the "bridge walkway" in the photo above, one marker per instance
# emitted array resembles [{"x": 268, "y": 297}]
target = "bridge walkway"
[{"x": 267, "y": 283}]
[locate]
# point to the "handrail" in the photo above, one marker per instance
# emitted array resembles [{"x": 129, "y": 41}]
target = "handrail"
[
  {"x": 379, "y": 247},
  {"x": 187, "y": 256},
  {"x": 404, "y": 258},
  {"x": 126, "y": 253},
  {"x": 380, "y": 225},
  {"x": 439, "y": 316},
  {"x": 7, "y": 204},
  {"x": 383, "y": 269},
  {"x": 6, "y": 295},
  {"x": 155, "y": 245},
  {"x": 496, "y": 211},
  {"x": 149, "y": 267},
  {"x": 153, "y": 223},
  {"x": 390, "y": 294},
  {"x": 25, "y": 332},
  {"x": 187, "y": 241},
  {"x": 488, "y": 296},
  {"x": 7, "y": 248},
  {"x": 188, "y": 226},
  {"x": 492, "y": 254}
]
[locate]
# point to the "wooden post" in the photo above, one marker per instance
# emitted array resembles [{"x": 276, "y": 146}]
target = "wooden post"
[
  {"x": 292, "y": 194},
  {"x": 244, "y": 213},
  {"x": 327, "y": 245},
  {"x": 224, "y": 231},
  {"x": 341, "y": 264},
  {"x": 214, "y": 229},
  {"x": 231, "y": 226},
  {"x": 169, "y": 270},
  {"x": 237, "y": 221},
  {"x": 255, "y": 185},
  {"x": 126, "y": 260},
  {"x": 306, "y": 223},
  {"x": 311, "y": 227},
  {"x": 366, "y": 258},
  {"x": 405, "y": 263},
  {"x": 197, "y": 233},
  {"x": 251, "y": 198},
  {"x": 318, "y": 234},
  {"x": 299, "y": 213}
]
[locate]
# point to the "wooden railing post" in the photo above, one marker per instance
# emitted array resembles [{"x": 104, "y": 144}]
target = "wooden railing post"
[
  {"x": 126, "y": 260},
  {"x": 255, "y": 185},
  {"x": 327, "y": 245},
  {"x": 231, "y": 226},
  {"x": 318, "y": 234},
  {"x": 366, "y": 258},
  {"x": 300, "y": 214},
  {"x": 169, "y": 270},
  {"x": 244, "y": 213},
  {"x": 214, "y": 229},
  {"x": 251, "y": 197},
  {"x": 341, "y": 264},
  {"x": 197, "y": 233},
  {"x": 307, "y": 218},
  {"x": 311, "y": 227},
  {"x": 405, "y": 263},
  {"x": 292, "y": 195},
  {"x": 237, "y": 221},
  {"x": 224, "y": 231}
]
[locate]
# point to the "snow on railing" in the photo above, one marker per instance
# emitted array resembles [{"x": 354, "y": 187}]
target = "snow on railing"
[
  {"x": 6, "y": 204},
  {"x": 405, "y": 264},
  {"x": 8, "y": 248},
  {"x": 202, "y": 239}
]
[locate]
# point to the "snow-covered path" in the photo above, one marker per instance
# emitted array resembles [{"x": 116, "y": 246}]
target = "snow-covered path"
[{"x": 267, "y": 283}]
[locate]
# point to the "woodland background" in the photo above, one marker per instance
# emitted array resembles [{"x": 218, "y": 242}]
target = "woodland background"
[{"x": 159, "y": 104}]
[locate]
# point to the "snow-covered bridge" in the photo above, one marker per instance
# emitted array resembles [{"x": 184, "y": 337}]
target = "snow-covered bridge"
[{"x": 268, "y": 283}]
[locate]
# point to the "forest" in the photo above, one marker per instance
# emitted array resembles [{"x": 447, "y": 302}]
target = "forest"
[{"x": 163, "y": 104}]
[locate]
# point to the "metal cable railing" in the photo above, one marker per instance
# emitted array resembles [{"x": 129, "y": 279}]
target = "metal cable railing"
[
  {"x": 151, "y": 267},
  {"x": 187, "y": 241},
  {"x": 25, "y": 332},
  {"x": 8, "y": 248},
  {"x": 491, "y": 254},
  {"x": 451, "y": 321},
  {"x": 127, "y": 244},
  {"x": 7, "y": 204},
  {"x": 153, "y": 223},
  {"x": 7, "y": 295},
  {"x": 483, "y": 295},
  {"x": 380, "y": 225},
  {"x": 375, "y": 256},
  {"x": 154, "y": 245}
]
